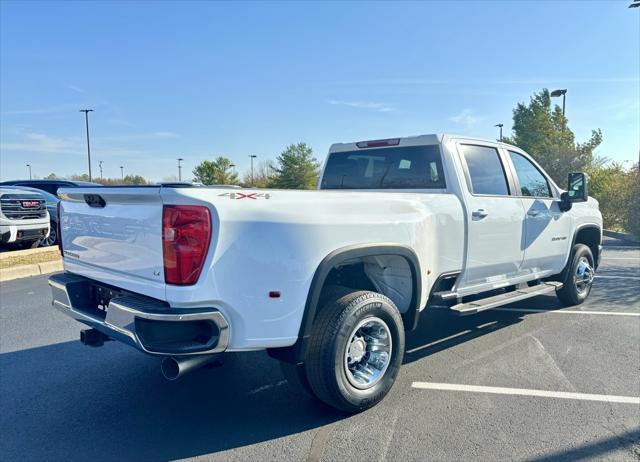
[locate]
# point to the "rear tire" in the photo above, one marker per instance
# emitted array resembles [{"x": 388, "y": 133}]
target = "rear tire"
[
  {"x": 578, "y": 276},
  {"x": 355, "y": 350}
]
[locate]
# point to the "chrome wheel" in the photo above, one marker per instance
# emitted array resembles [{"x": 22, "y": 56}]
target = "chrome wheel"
[
  {"x": 368, "y": 353},
  {"x": 584, "y": 275}
]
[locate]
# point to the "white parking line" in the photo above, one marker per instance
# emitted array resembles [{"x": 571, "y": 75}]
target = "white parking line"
[
  {"x": 536, "y": 310},
  {"x": 526, "y": 392},
  {"x": 635, "y": 278}
]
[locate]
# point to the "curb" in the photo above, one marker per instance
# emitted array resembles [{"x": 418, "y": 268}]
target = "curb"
[
  {"x": 25, "y": 271},
  {"x": 25, "y": 252},
  {"x": 621, "y": 236}
]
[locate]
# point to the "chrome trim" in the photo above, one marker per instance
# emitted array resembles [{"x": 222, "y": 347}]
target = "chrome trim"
[{"x": 122, "y": 311}]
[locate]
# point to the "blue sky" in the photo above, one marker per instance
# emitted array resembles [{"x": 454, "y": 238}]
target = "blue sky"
[{"x": 199, "y": 79}]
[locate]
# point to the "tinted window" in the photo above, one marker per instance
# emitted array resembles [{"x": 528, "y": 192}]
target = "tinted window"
[
  {"x": 410, "y": 167},
  {"x": 532, "y": 181},
  {"x": 49, "y": 187},
  {"x": 485, "y": 170}
]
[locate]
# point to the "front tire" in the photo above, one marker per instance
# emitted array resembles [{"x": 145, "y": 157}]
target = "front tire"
[
  {"x": 52, "y": 238},
  {"x": 355, "y": 350},
  {"x": 578, "y": 276}
]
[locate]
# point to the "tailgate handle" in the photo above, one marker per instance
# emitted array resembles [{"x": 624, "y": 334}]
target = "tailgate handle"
[{"x": 94, "y": 200}]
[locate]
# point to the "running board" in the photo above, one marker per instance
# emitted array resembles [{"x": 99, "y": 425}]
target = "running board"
[{"x": 502, "y": 299}]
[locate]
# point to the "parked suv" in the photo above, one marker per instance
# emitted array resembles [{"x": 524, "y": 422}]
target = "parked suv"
[
  {"x": 52, "y": 207},
  {"x": 50, "y": 186},
  {"x": 24, "y": 219}
]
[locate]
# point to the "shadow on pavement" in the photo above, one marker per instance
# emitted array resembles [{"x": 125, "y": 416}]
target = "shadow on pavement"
[{"x": 595, "y": 450}]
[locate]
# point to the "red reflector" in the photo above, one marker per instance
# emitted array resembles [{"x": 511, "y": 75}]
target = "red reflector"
[
  {"x": 274, "y": 294},
  {"x": 378, "y": 143},
  {"x": 186, "y": 233}
]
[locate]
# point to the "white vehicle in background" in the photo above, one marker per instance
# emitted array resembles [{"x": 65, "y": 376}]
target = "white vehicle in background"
[
  {"x": 327, "y": 281},
  {"x": 24, "y": 219}
]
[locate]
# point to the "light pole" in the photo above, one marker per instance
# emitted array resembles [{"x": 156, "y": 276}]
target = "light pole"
[
  {"x": 122, "y": 173},
  {"x": 500, "y": 125},
  {"x": 252, "y": 156},
  {"x": 29, "y": 166},
  {"x": 100, "y": 165},
  {"x": 86, "y": 122},
  {"x": 562, "y": 93},
  {"x": 180, "y": 159}
]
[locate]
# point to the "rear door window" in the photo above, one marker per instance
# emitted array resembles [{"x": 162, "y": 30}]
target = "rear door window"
[{"x": 486, "y": 172}]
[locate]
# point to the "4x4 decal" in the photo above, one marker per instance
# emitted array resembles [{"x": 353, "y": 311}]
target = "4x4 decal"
[{"x": 239, "y": 195}]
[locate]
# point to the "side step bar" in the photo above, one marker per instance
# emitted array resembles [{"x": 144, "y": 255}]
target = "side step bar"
[{"x": 498, "y": 300}]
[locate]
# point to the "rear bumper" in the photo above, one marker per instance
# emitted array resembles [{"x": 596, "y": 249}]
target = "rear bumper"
[{"x": 148, "y": 325}]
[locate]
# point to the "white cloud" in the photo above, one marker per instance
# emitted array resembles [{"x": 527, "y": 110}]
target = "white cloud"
[
  {"x": 165, "y": 134},
  {"x": 42, "y": 143},
  {"x": 464, "y": 118},
  {"x": 75, "y": 88},
  {"x": 370, "y": 105}
]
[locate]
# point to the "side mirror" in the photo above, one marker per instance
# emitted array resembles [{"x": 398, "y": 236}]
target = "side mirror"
[
  {"x": 565, "y": 202},
  {"x": 578, "y": 190}
]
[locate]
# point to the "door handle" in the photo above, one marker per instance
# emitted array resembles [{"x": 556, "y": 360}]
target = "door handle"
[
  {"x": 533, "y": 213},
  {"x": 480, "y": 213}
]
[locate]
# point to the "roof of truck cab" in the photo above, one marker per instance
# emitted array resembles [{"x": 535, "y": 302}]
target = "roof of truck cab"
[{"x": 419, "y": 140}]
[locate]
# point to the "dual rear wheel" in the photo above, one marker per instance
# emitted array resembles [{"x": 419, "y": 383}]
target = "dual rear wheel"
[{"x": 354, "y": 352}]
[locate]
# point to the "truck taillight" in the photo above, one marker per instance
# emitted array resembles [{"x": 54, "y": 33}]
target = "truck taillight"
[
  {"x": 58, "y": 228},
  {"x": 186, "y": 234}
]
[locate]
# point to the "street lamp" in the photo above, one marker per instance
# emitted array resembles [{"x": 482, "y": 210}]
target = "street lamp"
[
  {"x": 86, "y": 122},
  {"x": 122, "y": 172},
  {"x": 556, "y": 93},
  {"x": 180, "y": 159},
  {"x": 100, "y": 165},
  {"x": 29, "y": 166},
  {"x": 252, "y": 156},
  {"x": 500, "y": 125}
]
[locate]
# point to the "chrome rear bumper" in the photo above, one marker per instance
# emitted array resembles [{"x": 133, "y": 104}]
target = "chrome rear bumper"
[{"x": 143, "y": 323}]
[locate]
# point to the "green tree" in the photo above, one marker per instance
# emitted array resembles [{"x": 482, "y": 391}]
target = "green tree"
[
  {"x": 632, "y": 223},
  {"x": 51, "y": 176},
  {"x": 612, "y": 186},
  {"x": 218, "y": 171},
  {"x": 542, "y": 131},
  {"x": 263, "y": 175},
  {"x": 296, "y": 168},
  {"x": 134, "y": 179}
]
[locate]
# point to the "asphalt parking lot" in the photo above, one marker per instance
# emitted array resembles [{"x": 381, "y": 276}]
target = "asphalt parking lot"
[{"x": 61, "y": 400}]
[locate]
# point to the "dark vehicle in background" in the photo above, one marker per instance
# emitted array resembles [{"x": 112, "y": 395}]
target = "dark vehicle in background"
[
  {"x": 52, "y": 207},
  {"x": 50, "y": 186}
]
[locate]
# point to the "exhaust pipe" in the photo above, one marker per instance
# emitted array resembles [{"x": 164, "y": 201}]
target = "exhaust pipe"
[{"x": 175, "y": 367}]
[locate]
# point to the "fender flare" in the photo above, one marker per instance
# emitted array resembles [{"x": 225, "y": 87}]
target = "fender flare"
[
  {"x": 575, "y": 236},
  {"x": 296, "y": 353}
]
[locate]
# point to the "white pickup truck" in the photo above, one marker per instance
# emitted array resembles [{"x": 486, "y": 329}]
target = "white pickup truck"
[{"x": 327, "y": 281}]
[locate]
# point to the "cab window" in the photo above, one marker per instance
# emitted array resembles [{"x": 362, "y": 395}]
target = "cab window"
[
  {"x": 485, "y": 170},
  {"x": 532, "y": 182}
]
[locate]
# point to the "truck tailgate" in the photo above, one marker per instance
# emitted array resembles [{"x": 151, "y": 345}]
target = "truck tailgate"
[{"x": 114, "y": 235}]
